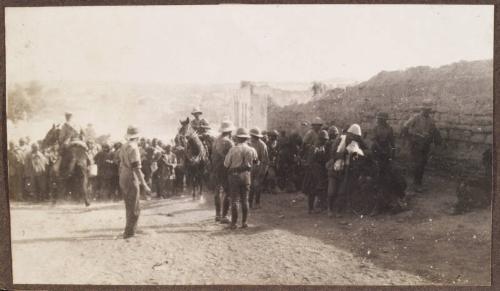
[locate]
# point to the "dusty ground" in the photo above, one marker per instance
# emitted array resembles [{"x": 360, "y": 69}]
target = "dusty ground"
[{"x": 181, "y": 244}]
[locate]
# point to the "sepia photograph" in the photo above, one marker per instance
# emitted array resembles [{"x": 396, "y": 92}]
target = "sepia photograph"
[{"x": 236, "y": 144}]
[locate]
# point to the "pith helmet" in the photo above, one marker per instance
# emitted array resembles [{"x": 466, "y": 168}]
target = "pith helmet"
[
  {"x": 273, "y": 133},
  {"x": 355, "y": 129},
  {"x": 242, "y": 133},
  {"x": 196, "y": 110},
  {"x": 204, "y": 124},
  {"x": 323, "y": 134},
  {"x": 317, "y": 121},
  {"x": 226, "y": 126},
  {"x": 333, "y": 130},
  {"x": 132, "y": 132},
  {"x": 255, "y": 132}
]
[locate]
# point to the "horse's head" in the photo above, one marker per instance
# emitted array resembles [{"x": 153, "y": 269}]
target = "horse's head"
[
  {"x": 52, "y": 137},
  {"x": 186, "y": 128}
]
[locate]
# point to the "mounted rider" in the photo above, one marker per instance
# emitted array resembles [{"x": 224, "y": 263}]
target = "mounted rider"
[
  {"x": 69, "y": 131},
  {"x": 207, "y": 140},
  {"x": 195, "y": 123}
]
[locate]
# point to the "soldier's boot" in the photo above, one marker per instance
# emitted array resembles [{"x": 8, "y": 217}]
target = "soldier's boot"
[
  {"x": 234, "y": 215},
  {"x": 244, "y": 216}
]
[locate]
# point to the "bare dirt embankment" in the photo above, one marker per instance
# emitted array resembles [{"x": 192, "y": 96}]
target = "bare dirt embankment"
[{"x": 181, "y": 244}]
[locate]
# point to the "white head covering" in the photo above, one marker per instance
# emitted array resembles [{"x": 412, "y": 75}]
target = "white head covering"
[{"x": 355, "y": 129}]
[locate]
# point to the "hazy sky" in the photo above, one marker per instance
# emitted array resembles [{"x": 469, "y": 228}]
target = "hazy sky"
[{"x": 229, "y": 43}]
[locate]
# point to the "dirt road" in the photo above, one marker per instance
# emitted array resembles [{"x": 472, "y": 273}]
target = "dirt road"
[{"x": 181, "y": 244}]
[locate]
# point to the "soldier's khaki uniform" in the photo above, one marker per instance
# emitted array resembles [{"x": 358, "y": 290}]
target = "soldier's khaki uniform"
[
  {"x": 239, "y": 161},
  {"x": 220, "y": 148},
  {"x": 422, "y": 132},
  {"x": 130, "y": 158}
]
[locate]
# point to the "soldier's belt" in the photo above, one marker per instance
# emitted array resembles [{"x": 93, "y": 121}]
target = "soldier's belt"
[{"x": 238, "y": 170}]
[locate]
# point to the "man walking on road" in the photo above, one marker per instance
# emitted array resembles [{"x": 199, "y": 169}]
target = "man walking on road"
[
  {"x": 239, "y": 161},
  {"x": 131, "y": 178}
]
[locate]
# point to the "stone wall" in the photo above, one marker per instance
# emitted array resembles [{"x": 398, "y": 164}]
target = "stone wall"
[{"x": 463, "y": 111}]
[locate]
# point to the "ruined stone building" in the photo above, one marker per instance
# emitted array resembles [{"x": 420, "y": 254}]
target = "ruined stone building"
[{"x": 249, "y": 107}]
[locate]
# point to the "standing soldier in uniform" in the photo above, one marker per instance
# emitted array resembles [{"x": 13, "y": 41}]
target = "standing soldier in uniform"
[
  {"x": 239, "y": 161},
  {"x": 220, "y": 148},
  {"x": 391, "y": 184},
  {"x": 105, "y": 165},
  {"x": 421, "y": 132},
  {"x": 117, "y": 193},
  {"x": 310, "y": 139},
  {"x": 273, "y": 151},
  {"x": 131, "y": 179},
  {"x": 319, "y": 178},
  {"x": 260, "y": 169},
  {"x": 333, "y": 176},
  {"x": 166, "y": 166},
  {"x": 383, "y": 145}
]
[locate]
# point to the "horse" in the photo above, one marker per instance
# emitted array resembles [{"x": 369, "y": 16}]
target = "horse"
[
  {"x": 190, "y": 148},
  {"x": 67, "y": 171}
]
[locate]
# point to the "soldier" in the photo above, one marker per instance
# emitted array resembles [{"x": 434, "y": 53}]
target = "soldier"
[
  {"x": 131, "y": 178},
  {"x": 383, "y": 146},
  {"x": 207, "y": 140},
  {"x": 312, "y": 135},
  {"x": 117, "y": 193},
  {"x": 421, "y": 132},
  {"x": 310, "y": 139},
  {"x": 36, "y": 166},
  {"x": 105, "y": 171},
  {"x": 195, "y": 123},
  {"x": 333, "y": 176},
  {"x": 319, "y": 179},
  {"x": 351, "y": 145},
  {"x": 68, "y": 130},
  {"x": 265, "y": 136},
  {"x": 166, "y": 166},
  {"x": 391, "y": 185},
  {"x": 273, "y": 151},
  {"x": 239, "y": 161},
  {"x": 259, "y": 169},
  {"x": 220, "y": 148}
]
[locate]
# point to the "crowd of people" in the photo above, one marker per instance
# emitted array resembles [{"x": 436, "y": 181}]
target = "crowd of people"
[{"x": 335, "y": 168}]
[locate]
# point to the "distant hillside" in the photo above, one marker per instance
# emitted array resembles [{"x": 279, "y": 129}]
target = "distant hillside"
[
  {"x": 111, "y": 106},
  {"x": 462, "y": 93}
]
